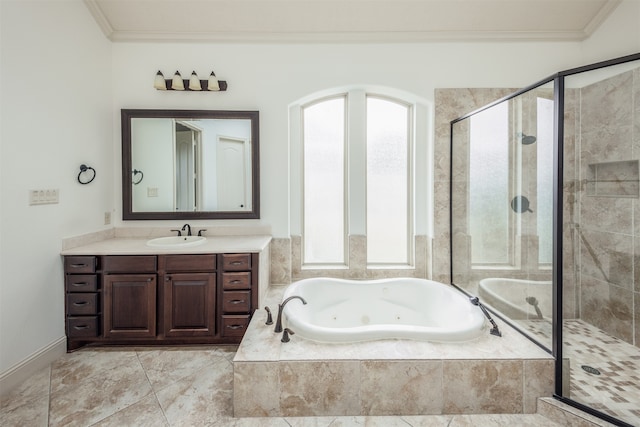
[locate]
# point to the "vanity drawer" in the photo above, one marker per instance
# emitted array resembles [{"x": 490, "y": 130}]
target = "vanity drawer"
[
  {"x": 236, "y": 262},
  {"x": 79, "y": 264},
  {"x": 85, "y": 326},
  {"x": 81, "y": 304},
  {"x": 241, "y": 280},
  {"x": 178, "y": 263},
  {"x": 81, "y": 282},
  {"x": 129, "y": 264},
  {"x": 236, "y": 302},
  {"x": 234, "y": 325}
]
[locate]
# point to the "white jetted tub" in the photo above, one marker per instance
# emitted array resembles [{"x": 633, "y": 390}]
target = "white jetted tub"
[
  {"x": 340, "y": 310},
  {"x": 518, "y": 299}
]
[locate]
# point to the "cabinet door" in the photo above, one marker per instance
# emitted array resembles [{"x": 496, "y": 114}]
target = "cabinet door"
[
  {"x": 189, "y": 304},
  {"x": 130, "y": 305}
]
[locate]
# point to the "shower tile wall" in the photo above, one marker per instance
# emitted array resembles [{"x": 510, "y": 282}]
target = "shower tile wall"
[{"x": 605, "y": 225}]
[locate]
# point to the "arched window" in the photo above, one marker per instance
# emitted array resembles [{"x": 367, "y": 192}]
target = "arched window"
[{"x": 353, "y": 175}]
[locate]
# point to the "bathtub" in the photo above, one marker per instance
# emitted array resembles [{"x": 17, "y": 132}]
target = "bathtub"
[
  {"x": 350, "y": 311},
  {"x": 515, "y": 297}
]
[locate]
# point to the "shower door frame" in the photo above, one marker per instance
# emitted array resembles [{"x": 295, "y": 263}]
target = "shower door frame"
[
  {"x": 558, "y": 81},
  {"x": 558, "y": 182}
]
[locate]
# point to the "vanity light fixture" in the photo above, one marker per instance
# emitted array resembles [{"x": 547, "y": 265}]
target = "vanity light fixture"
[
  {"x": 194, "y": 83},
  {"x": 213, "y": 83},
  {"x": 176, "y": 82},
  {"x": 159, "y": 83}
]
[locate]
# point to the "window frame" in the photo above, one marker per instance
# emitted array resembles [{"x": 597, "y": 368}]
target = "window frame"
[
  {"x": 410, "y": 179},
  {"x": 422, "y": 175}
]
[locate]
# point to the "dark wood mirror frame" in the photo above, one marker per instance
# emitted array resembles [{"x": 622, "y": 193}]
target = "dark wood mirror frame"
[{"x": 127, "y": 193}]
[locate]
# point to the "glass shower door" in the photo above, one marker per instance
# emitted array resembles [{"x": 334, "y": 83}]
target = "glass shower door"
[{"x": 502, "y": 208}]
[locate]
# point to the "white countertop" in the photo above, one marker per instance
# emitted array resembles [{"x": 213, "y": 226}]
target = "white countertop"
[{"x": 138, "y": 246}]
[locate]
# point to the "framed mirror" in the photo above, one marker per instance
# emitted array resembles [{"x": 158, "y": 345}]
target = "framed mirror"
[{"x": 190, "y": 164}]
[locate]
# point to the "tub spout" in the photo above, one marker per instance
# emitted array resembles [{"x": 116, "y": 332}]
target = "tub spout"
[
  {"x": 278, "y": 327},
  {"x": 494, "y": 330}
]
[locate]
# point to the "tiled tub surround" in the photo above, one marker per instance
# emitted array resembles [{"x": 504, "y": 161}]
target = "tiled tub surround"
[{"x": 389, "y": 377}]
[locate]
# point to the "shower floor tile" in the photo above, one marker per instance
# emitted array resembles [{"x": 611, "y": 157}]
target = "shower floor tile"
[{"x": 614, "y": 387}]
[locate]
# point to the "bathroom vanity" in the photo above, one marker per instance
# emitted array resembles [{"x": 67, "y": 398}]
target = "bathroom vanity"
[{"x": 121, "y": 291}]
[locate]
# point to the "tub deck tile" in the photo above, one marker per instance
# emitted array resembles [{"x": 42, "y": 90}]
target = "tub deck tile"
[{"x": 317, "y": 379}]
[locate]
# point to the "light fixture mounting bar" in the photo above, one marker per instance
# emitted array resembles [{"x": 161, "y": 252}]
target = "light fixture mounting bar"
[{"x": 203, "y": 83}]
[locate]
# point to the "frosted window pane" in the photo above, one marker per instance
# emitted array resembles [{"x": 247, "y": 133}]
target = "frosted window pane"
[
  {"x": 545, "y": 179},
  {"x": 489, "y": 186},
  {"x": 324, "y": 220},
  {"x": 387, "y": 182}
]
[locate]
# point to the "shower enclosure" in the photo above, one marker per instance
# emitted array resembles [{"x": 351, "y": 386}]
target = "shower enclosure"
[{"x": 545, "y": 220}]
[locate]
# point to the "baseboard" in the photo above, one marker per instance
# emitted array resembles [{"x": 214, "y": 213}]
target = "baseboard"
[{"x": 21, "y": 371}]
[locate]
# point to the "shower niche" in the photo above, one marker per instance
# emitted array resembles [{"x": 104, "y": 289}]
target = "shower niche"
[
  {"x": 545, "y": 220},
  {"x": 613, "y": 179}
]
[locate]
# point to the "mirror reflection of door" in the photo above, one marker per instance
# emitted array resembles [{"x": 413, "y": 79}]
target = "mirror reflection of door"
[
  {"x": 188, "y": 186},
  {"x": 234, "y": 173}
]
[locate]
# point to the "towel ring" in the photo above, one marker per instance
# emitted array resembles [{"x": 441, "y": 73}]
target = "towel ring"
[
  {"x": 83, "y": 169},
  {"x": 136, "y": 172}
]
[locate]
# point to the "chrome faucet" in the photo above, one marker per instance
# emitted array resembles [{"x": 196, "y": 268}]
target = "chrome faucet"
[
  {"x": 188, "y": 228},
  {"x": 278, "y": 327}
]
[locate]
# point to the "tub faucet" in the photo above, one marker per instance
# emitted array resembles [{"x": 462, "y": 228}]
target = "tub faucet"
[
  {"x": 188, "y": 228},
  {"x": 269, "y": 318},
  {"x": 494, "y": 330},
  {"x": 285, "y": 335},
  {"x": 278, "y": 327}
]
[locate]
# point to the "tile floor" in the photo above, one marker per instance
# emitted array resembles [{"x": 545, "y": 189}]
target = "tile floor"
[
  {"x": 615, "y": 389},
  {"x": 175, "y": 386}
]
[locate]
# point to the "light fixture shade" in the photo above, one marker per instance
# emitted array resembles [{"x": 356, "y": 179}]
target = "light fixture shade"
[
  {"x": 194, "y": 82},
  {"x": 159, "y": 82},
  {"x": 212, "y": 83},
  {"x": 176, "y": 82}
]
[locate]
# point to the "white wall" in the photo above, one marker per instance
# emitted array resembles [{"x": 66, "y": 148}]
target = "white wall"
[
  {"x": 56, "y": 115},
  {"x": 49, "y": 129},
  {"x": 268, "y": 77}
]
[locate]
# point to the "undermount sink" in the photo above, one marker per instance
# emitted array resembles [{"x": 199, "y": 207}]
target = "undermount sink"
[{"x": 176, "y": 241}]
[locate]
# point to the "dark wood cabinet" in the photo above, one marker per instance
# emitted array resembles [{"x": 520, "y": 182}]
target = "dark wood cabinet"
[
  {"x": 238, "y": 290},
  {"x": 159, "y": 299},
  {"x": 82, "y": 297},
  {"x": 189, "y": 309},
  {"x": 129, "y": 305}
]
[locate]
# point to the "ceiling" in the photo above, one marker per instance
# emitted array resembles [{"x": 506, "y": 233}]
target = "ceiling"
[{"x": 349, "y": 20}]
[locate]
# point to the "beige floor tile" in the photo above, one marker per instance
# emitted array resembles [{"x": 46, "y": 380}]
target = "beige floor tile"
[
  {"x": 493, "y": 420},
  {"x": 75, "y": 368},
  {"x": 89, "y": 400},
  {"x": 145, "y": 413},
  {"x": 200, "y": 399},
  {"x": 34, "y": 387},
  {"x": 166, "y": 366},
  {"x": 34, "y": 413}
]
